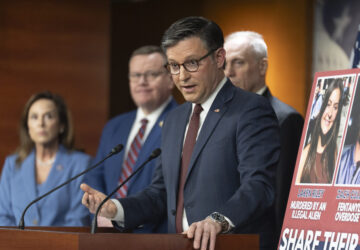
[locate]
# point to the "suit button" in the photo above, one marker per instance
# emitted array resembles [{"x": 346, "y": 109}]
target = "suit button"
[{"x": 173, "y": 211}]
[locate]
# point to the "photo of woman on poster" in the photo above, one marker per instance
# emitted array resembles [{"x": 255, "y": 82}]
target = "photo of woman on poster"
[{"x": 318, "y": 158}]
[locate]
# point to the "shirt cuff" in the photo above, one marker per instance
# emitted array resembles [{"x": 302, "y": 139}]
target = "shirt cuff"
[
  {"x": 120, "y": 216},
  {"x": 231, "y": 225}
]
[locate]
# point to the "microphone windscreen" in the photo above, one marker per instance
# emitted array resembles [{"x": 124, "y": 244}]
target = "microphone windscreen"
[
  {"x": 117, "y": 149},
  {"x": 155, "y": 153}
]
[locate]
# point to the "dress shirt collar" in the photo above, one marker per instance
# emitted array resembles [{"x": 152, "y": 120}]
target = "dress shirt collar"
[
  {"x": 207, "y": 104},
  {"x": 152, "y": 119},
  {"x": 153, "y": 116},
  {"x": 262, "y": 90}
]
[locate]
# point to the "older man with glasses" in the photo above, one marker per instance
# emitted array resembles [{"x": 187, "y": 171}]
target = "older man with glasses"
[
  {"x": 139, "y": 130},
  {"x": 219, "y": 150}
]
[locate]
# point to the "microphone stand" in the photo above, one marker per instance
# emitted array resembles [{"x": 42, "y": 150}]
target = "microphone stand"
[{"x": 153, "y": 155}]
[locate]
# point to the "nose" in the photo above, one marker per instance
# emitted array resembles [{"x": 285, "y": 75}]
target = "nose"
[
  {"x": 42, "y": 121},
  {"x": 143, "y": 79},
  {"x": 330, "y": 112},
  {"x": 183, "y": 74},
  {"x": 228, "y": 70}
]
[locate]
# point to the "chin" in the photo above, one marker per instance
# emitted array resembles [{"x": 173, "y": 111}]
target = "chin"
[
  {"x": 325, "y": 132},
  {"x": 238, "y": 85},
  {"x": 189, "y": 98}
]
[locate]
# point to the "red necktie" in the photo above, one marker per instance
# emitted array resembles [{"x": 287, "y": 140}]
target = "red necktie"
[
  {"x": 185, "y": 161},
  {"x": 131, "y": 158}
]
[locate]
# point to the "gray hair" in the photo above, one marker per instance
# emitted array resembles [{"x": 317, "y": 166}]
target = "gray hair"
[{"x": 255, "y": 40}]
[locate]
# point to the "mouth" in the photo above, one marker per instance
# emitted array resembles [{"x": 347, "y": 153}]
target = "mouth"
[
  {"x": 42, "y": 133},
  {"x": 143, "y": 90},
  {"x": 188, "y": 88},
  {"x": 327, "y": 122}
]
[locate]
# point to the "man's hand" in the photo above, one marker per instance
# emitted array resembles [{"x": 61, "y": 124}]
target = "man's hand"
[
  {"x": 202, "y": 232},
  {"x": 92, "y": 199}
]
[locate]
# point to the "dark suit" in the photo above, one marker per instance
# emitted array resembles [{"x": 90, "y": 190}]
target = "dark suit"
[
  {"x": 105, "y": 178},
  {"x": 291, "y": 125},
  {"x": 232, "y": 169}
]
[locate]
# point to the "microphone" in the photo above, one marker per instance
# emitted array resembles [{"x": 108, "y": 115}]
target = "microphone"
[
  {"x": 113, "y": 151},
  {"x": 153, "y": 155}
]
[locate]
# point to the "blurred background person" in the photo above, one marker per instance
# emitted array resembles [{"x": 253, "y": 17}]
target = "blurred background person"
[
  {"x": 45, "y": 159},
  {"x": 317, "y": 162},
  {"x": 246, "y": 66},
  {"x": 139, "y": 130}
]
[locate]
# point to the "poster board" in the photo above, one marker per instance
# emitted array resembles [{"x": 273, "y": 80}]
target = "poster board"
[{"x": 323, "y": 210}]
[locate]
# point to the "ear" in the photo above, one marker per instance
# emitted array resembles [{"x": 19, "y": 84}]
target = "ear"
[
  {"x": 263, "y": 65},
  {"x": 220, "y": 57},
  {"x": 169, "y": 82}
]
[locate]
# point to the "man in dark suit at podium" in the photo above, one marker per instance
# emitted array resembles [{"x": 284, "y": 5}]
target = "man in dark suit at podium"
[
  {"x": 246, "y": 66},
  {"x": 219, "y": 149}
]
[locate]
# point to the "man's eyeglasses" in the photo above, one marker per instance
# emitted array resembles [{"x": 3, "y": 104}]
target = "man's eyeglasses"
[
  {"x": 190, "y": 66},
  {"x": 148, "y": 75}
]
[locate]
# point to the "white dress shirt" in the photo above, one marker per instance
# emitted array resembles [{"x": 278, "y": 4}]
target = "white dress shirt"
[{"x": 152, "y": 118}]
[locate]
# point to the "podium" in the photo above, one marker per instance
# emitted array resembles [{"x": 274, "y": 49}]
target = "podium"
[{"x": 74, "y": 238}]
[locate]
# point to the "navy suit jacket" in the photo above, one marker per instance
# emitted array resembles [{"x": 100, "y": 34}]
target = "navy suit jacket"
[
  {"x": 291, "y": 125},
  {"x": 232, "y": 169},
  {"x": 105, "y": 178}
]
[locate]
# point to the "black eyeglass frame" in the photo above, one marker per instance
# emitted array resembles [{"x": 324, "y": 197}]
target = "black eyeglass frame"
[{"x": 190, "y": 61}]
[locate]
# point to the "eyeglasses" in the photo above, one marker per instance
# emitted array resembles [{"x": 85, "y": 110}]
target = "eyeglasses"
[
  {"x": 148, "y": 75},
  {"x": 190, "y": 66}
]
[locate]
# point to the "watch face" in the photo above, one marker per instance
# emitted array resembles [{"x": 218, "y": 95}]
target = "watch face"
[{"x": 218, "y": 217}]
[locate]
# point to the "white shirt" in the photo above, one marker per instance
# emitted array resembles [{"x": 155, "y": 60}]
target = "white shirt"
[
  {"x": 262, "y": 90},
  {"x": 152, "y": 118}
]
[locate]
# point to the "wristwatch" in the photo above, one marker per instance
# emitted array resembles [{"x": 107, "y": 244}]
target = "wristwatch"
[{"x": 220, "y": 219}]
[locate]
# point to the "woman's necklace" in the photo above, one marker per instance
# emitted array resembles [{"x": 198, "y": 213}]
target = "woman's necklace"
[{"x": 45, "y": 163}]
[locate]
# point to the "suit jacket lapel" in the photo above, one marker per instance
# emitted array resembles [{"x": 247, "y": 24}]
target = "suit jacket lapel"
[
  {"x": 29, "y": 182},
  {"x": 153, "y": 136},
  {"x": 115, "y": 163},
  {"x": 178, "y": 141},
  {"x": 148, "y": 145},
  {"x": 150, "y": 142},
  {"x": 217, "y": 110}
]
